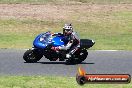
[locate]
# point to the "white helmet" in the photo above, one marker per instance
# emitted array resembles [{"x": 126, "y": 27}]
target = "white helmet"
[{"x": 67, "y": 29}]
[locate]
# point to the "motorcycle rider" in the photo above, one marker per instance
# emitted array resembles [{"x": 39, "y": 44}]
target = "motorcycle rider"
[{"x": 73, "y": 41}]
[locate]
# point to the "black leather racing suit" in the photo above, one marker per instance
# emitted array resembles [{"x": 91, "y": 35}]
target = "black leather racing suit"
[{"x": 73, "y": 43}]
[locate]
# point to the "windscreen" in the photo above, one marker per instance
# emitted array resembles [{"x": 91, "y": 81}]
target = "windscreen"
[{"x": 45, "y": 38}]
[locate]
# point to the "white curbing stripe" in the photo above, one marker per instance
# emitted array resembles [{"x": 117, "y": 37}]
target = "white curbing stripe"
[
  {"x": 107, "y": 50},
  {"x": 93, "y": 50},
  {"x": 24, "y": 49}
]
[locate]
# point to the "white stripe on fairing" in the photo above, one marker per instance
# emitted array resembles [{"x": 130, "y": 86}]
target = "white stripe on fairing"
[{"x": 107, "y": 50}]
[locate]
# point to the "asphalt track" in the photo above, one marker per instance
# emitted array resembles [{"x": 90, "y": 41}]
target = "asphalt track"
[{"x": 109, "y": 62}]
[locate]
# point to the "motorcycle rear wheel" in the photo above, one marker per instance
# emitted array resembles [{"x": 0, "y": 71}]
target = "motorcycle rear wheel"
[
  {"x": 78, "y": 57},
  {"x": 31, "y": 57}
]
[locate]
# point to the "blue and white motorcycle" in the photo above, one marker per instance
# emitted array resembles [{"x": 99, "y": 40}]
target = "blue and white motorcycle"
[{"x": 42, "y": 47}]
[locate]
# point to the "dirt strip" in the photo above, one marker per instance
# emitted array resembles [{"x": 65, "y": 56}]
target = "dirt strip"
[{"x": 55, "y": 12}]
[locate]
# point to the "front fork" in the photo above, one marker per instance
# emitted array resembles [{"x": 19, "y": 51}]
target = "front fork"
[{"x": 37, "y": 51}]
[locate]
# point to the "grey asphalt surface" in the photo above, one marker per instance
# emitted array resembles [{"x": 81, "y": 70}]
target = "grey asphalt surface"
[{"x": 109, "y": 62}]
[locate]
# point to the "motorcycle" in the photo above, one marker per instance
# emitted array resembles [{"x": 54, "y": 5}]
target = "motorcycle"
[{"x": 42, "y": 47}]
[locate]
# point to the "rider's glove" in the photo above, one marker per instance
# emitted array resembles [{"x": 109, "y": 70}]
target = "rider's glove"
[
  {"x": 55, "y": 48},
  {"x": 52, "y": 34},
  {"x": 56, "y": 34}
]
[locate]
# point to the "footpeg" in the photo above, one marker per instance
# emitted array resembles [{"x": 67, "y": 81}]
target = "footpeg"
[
  {"x": 61, "y": 59},
  {"x": 68, "y": 55}
]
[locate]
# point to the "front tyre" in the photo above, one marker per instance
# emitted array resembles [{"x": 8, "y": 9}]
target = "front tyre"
[{"x": 31, "y": 56}]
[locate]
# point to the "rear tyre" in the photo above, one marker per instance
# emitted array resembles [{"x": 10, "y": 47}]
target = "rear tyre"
[
  {"x": 31, "y": 56},
  {"x": 82, "y": 55},
  {"x": 78, "y": 57}
]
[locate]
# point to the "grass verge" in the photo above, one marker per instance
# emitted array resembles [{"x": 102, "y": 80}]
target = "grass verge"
[
  {"x": 50, "y": 82},
  {"x": 110, "y": 26},
  {"x": 115, "y": 33}
]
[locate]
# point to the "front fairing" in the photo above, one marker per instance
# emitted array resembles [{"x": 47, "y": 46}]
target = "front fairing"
[{"x": 44, "y": 39}]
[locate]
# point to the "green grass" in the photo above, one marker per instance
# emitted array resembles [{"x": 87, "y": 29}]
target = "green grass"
[
  {"x": 111, "y": 27},
  {"x": 50, "y": 82},
  {"x": 21, "y": 33},
  {"x": 109, "y": 32},
  {"x": 66, "y": 1}
]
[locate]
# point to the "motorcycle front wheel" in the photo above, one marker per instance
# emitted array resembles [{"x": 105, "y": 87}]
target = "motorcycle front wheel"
[{"x": 31, "y": 56}]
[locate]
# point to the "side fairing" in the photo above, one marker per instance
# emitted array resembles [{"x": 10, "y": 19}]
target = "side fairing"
[{"x": 57, "y": 41}]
